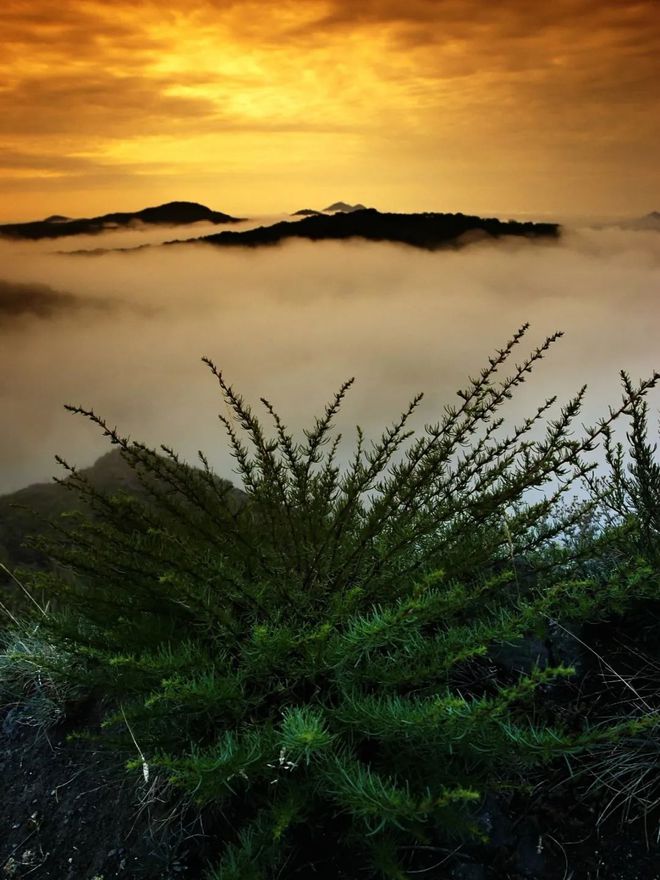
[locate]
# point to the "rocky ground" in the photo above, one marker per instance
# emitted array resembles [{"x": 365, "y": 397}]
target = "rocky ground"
[{"x": 70, "y": 812}]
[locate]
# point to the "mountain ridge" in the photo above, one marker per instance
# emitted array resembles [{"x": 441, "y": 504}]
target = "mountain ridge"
[
  {"x": 344, "y": 208},
  {"x": 28, "y": 510},
  {"x": 428, "y": 231},
  {"x": 177, "y": 213}
]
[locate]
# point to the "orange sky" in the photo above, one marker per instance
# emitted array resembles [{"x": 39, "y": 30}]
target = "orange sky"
[{"x": 255, "y": 107}]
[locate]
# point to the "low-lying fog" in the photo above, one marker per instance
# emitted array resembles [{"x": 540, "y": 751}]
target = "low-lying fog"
[
  {"x": 124, "y": 332},
  {"x": 140, "y": 234}
]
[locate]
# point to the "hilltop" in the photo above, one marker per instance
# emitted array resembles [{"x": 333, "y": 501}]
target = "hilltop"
[
  {"x": 168, "y": 214},
  {"x": 343, "y": 208},
  {"x": 28, "y": 511},
  {"x": 429, "y": 230},
  {"x": 648, "y": 221},
  {"x": 335, "y": 208}
]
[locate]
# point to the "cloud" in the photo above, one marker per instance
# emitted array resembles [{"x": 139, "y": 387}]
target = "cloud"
[
  {"x": 22, "y": 302},
  {"x": 398, "y": 100},
  {"x": 17, "y": 160},
  {"x": 290, "y": 323},
  {"x": 508, "y": 19},
  {"x": 39, "y": 301},
  {"x": 104, "y": 105}
]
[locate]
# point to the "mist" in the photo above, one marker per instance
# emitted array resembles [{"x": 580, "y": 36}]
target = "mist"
[
  {"x": 123, "y": 333},
  {"x": 140, "y": 234}
]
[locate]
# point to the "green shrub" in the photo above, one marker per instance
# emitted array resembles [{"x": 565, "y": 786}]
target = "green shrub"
[
  {"x": 310, "y": 657},
  {"x": 630, "y": 492}
]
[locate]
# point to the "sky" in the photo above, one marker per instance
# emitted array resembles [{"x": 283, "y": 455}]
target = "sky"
[{"x": 514, "y": 107}]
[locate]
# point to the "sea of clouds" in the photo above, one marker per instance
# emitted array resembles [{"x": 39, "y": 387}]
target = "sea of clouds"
[{"x": 123, "y": 332}]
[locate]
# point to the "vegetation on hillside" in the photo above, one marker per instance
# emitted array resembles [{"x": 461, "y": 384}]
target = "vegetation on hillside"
[{"x": 341, "y": 664}]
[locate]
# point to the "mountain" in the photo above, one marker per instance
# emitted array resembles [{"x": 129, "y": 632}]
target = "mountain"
[
  {"x": 169, "y": 214},
  {"x": 24, "y": 512},
  {"x": 429, "y": 231},
  {"x": 343, "y": 208},
  {"x": 648, "y": 221},
  {"x": 27, "y": 511},
  {"x": 336, "y": 208}
]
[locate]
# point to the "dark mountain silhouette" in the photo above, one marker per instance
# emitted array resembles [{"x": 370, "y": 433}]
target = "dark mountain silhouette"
[
  {"x": 27, "y": 511},
  {"x": 343, "y": 208},
  {"x": 335, "y": 208},
  {"x": 169, "y": 214},
  {"x": 429, "y": 231}
]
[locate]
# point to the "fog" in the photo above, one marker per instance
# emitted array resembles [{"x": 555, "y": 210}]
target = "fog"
[
  {"x": 137, "y": 234},
  {"x": 124, "y": 332}
]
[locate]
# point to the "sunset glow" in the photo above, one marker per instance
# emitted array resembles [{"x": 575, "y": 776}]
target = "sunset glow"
[{"x": 254, "y": 106}]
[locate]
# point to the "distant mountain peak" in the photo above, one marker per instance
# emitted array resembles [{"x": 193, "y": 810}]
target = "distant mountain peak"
[
  {"x": 178, "y": 213},
  {"x": 28, "y": 511},
  {"x": 427, "y": 230},
  {"x": 344, "y": 208},
  {"x": 649, "y": 222}
]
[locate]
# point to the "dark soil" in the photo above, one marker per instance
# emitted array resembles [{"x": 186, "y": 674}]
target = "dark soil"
[{"x": 71, "y": 812}]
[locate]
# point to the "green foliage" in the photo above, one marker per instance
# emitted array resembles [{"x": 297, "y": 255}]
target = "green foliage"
[
  {"x": 309, "y": 657},
  {"x": 631, "y": 491}
]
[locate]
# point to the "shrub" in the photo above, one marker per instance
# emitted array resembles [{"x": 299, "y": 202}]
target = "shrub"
[
  {"x": 630, "y": 492},
  {"x": 309, "y": 657}
]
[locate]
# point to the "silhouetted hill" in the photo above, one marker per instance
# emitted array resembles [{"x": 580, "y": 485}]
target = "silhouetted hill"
[
  {"x": 169, "y": 214},
  {"x": 27, "y": 511},
  {"x": 648, "y": 221},
  {"x": 429, "y": 231},
  {"x": 343, "y": 208},
  {"x": 335, "y": 208}
]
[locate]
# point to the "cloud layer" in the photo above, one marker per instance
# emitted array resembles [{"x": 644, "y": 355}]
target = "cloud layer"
[
  {"x": 291, "y": 322},
  {"x": 407, "y": 104},
  {"x": 19, "y": 301}
]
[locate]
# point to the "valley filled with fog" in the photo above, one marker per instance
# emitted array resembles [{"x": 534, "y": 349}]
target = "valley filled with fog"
[{"x": 123, "y": 333}]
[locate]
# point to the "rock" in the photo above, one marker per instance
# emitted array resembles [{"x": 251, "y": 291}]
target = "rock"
[
  {"x": 469, "y": 872},
  {"x": 530, "y": 852},
  {"x": 521, "y": 656},
  {"x": 565, "y": 647},
  {"x": 495, "y": 824}
]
